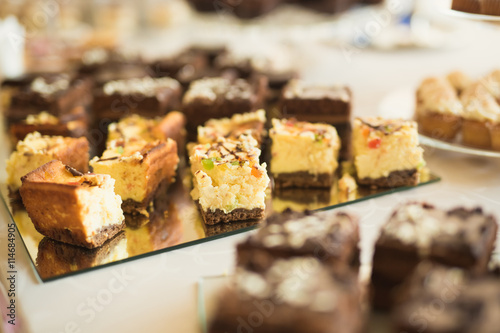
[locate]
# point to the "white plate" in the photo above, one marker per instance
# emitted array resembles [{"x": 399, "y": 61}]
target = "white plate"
[{"x": 401, "y": 104}]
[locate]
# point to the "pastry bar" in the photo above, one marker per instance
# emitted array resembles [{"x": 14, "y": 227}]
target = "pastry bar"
[
  {"x": 331, "y": 238},
  {"x": 71, "y": 207},
  {"x": 386, "y": 152},
  {"x": 220, "y": 97},
  {"x": 56, "y": 258},
  {"x": 186, "y": 66},
  {"x": 148, "y": 97},
  {"x": 57, "y": 94},
  {"x": 316, "y": 103},
  {"x": 229, "y": 183},
  {"x": 303, "y": 154},
  {"x": 481, "y": 114},
  {"x": 439, "y": 111},
  {"x": 36, "y": 150},
  {"x": 296, "y": 295},
  {"x": 458, "y": 237},
  {"x": 441, "y": 299},
  {"x": 137, "y": 127},
  {"x": 47, "y": 124},
  {"x": 251, "y": 123},
  {"x": 139, "y": 168}
]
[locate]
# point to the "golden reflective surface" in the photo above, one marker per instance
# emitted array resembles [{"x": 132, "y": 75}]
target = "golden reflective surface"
[{"x": 175, "y": 223}]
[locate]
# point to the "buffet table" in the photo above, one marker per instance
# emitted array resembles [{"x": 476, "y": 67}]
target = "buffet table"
[{"x": 159, "y": 293}]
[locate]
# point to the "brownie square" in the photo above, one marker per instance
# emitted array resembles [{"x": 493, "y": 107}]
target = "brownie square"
[
  {"x": 315, "y": 103},
  {"x": 57, "y": 94},
  {"x": 440, "y": 299},
  {"x": 296, "y": 295},
  {"x": 185, "y": 67},
  {"x": 221, "y": 97},
  {"x": 417, "y": 231},
  {"x": 331, "y": 238}
]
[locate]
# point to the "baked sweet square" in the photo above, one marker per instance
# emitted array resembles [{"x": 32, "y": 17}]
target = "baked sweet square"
[
  {"x": 415, "y": 232},
  {"x": 295, "y": 295},
  {"x": 331, "y": 238},
  {"x": 303, "y": 154},
  {"x": 386, "y": 152},
  {"x": 71, "y": 207},
  {"x": 329, "y": 104},
  {"x": 229, "y": 182}
]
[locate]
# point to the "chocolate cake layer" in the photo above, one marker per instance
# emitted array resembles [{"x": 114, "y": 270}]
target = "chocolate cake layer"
[
  {"x": 395, "y": 179},
  {"x": 238, "y": 214}
]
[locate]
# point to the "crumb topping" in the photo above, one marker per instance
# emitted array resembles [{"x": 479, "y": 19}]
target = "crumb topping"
[
  {"x": 45, "y": 88},
  {"x": 41, "y": 119},
  {"x": 213, "y": 88},
  {"x": 35, "y": 143},
  {"x": 145, "y": 86},
  {"x": 227, "y": 152},
  {"x": 300, "y": 89}
]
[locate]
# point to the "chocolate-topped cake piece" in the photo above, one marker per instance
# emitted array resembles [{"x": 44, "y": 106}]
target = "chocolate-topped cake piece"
[
  {"x": 417, "y": 231},
  {"x": 332, "y": 238},
  {"x": 186, "y": 66},
  {"x": 57, "y": 94},
  {"x": 440, "y": 299},
  {"x": 317, "y": 103},
  {"x": 220, "y": 97},
  {"x": 296, "y": 295}
]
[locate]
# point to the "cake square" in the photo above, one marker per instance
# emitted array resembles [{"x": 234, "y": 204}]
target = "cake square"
[
  {"x": 220, "y": 97},
  {"x": 296, "y": 295},
  {"x": 47, "y": 124},
  {"x": 331, "y": 238},
  {"x": 36, "y": 150},
  {"x": 438, "y": 111},
  {"x": 148, "y": 97},
  {"x": 415, "y": 232},
  {"x": 466, "y": 304},
  {"x": 250, "y": 124},
  {"x": 135, "y": 127},
  {"x": 140, "y": 168},
  {"x": 303, "y": 154},
  {"x": 386, "y": 152},
  {"x": 229, "y": 183},
  {"x": 71, "y": 207},
  {"x": 57, "y": 94},
  {"x": 329, "y": 104}
]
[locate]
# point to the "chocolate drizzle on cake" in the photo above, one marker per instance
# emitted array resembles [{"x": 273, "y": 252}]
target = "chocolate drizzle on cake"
[{"x": 74, "y": 172}]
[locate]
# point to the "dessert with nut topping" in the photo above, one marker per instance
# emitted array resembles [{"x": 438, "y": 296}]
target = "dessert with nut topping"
[
  {"x": 386, "y": 152},
  {"x": 303, "y": 154},
  {"x": 229, "y": 183},
  {"x": 140, "y": 169},
  {"x": 36, "y": 150},
  {"x": 415, "y": 232},
  {"x": 72, "y": 207}
]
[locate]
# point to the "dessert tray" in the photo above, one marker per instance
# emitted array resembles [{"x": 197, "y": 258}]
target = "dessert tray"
[
  {"x": 401, "y": 104},
  {"x": 175, "y": 225}
]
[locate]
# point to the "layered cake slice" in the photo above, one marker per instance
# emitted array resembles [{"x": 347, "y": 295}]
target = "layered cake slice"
[
  {"x": 415, "y": 232},
  {"x": 481, "y": 114},
  {"x": 441, "y": 299},
  {"x": 71, "y": 207},
  {"x": 251, "y": 123},
  {"x": 135, "y": 127},
  {"x": 386, "y": 152},
  {"x": 148, "y": 97},
  {"x": 218, "y": 97},
  {"x": 329, "y": 104},
  {"x": 439, "y": 109},
  {"x": 331, "y": 238},
  {"x": 296, "y": 295},
  {"x": 229, "y": 182},
  {"x": 303, "y": 154},
  {"x": 140, "y": 169},
  {"x": 47, "y": 124},
  {"x": 36, "y": 150}
]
